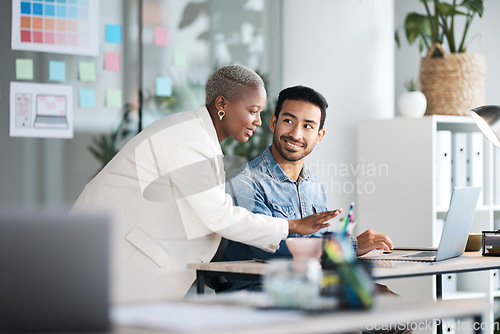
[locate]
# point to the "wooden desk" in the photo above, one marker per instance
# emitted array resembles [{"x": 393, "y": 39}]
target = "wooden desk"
[
  {"x": 386, "y": 311},
  {"x": 470, "y": 261}
]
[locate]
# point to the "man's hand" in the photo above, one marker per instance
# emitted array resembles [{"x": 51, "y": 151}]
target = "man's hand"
[
  {"x": 312, "y": 223},
  {"x": 381, "y": 289},
  {"x": 370, "y": 240}
]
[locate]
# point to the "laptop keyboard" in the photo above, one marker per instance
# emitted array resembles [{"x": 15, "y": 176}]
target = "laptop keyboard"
[
  {"x": 421, "y": 254},
  {"x": 51, "y": 121}
]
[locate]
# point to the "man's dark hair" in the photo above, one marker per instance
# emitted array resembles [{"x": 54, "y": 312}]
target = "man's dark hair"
[{"x": 306, "y": 94}]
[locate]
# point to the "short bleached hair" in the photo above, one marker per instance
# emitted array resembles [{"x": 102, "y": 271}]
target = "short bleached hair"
[{"x": 228, "y": 81}]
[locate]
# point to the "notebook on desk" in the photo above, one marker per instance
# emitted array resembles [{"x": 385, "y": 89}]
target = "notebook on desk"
[{"x": 453, "y": 238}]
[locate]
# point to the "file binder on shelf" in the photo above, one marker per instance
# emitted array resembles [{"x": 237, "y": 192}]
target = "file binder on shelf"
[
  {"x": 443, "y": 169},
  {"x": 459, "y": 159},
  {"x": 496, "y": 176},
  {"x": 449, "y": 283},
  {"x": 475, "y": 165}
]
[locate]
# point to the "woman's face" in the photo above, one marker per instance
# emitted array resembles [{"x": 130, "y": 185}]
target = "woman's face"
[{"x": 243, "y": 112}]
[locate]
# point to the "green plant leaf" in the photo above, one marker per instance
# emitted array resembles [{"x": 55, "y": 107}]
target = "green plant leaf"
[
  {"x": 192, "y": 11},
  {"x": 448, "y": 10},
  {"x": 417, "y": 25},
  {"x": 439, "y": 25},
  {"x": 474, "y": 6}
]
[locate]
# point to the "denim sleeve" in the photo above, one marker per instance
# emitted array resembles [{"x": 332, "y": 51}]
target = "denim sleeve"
[
  {"x": 246, "y": 193},
  {"x": 355, "y": 245}
]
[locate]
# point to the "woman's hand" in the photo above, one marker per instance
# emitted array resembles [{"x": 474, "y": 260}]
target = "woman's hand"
[{"x": 312, "y": 223}]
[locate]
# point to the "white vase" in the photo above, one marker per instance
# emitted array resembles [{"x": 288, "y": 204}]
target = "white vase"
[{"x": 412, "y": 104}]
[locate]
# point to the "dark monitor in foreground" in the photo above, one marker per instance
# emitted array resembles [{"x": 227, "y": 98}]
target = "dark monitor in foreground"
[{"x": 54, "y": 272}]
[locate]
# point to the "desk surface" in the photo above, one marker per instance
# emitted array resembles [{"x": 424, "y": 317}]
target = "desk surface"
[
  {"x": 387, "y": 310},
  {"x": 470, "y": 261}
]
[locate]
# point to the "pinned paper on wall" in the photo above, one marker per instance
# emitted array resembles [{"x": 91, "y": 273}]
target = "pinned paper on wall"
[
  {"x": 180, "y": 57},
  {"x": 163, "y": 86},
  {"x": 112, "y": 61},
  {"x": 62, "y": 26},
  {"x": 114, "y": 33},
  {"x": 24, "y": 69},
  {"x": 161, "y": 36},
  {"x": 86, "y": 71},
  {"x": 41, "y": 110},
  {"x": 114, "y": 98},
  {"x": 57, "y": 70},
  {"x": 86, "y": 98}
]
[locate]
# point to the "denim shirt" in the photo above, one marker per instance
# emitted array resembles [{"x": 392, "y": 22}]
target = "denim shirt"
[{"x": 261, "y": 186}]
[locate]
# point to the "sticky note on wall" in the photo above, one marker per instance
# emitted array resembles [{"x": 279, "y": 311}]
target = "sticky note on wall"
[
  {"x": 112, "y": 61},
  {"x": 24, "y": 69},
  {"x": 180, "y": 57},
  {"x": 86, "y": 98},
  {"x": 86, "y": 71},
  {"x": 114, "y": 33},
  {"x": 57, "y": 70},
  {"x": 114, "y": 98},
  {"x": 161, "y": 36},
  {"x": 163, "y": 86}
]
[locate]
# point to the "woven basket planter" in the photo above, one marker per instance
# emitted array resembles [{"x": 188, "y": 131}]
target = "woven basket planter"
[{"x": 453, "y": 84}]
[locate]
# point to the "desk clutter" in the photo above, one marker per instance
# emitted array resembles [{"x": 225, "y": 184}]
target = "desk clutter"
[
  {"x": 491, "y": 243},
  {"x": 338, "y": 280}
]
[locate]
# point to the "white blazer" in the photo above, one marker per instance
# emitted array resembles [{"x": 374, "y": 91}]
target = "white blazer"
[{"x": 165, "y": 193}]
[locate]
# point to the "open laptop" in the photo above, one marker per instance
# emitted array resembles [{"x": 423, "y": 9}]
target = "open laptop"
[
  {"x": 454, "y": 236},
  {"x": 53, "y": 272},
  {"x": 51, "y": 111}
]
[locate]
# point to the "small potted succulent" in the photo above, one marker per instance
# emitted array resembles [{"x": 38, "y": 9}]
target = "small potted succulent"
[{"x": 412, "y": 103}]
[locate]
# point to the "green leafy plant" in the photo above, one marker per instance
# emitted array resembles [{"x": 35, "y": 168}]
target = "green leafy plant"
[
  {"x": 105, "y": 146},
  {"x": 438, "y": 24}
]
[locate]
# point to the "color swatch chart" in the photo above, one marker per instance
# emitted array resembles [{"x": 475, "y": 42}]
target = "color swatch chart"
[{"x": 59, "y": 26}]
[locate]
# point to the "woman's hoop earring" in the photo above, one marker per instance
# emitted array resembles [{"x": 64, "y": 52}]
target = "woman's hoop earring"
[{"x": 221, "y": 114}]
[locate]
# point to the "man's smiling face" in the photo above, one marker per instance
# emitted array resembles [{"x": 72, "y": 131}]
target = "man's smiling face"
[{"x": 296, "y": 131}]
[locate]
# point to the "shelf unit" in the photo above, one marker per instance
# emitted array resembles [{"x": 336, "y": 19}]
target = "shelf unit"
[{"x": 398, "y": 194}]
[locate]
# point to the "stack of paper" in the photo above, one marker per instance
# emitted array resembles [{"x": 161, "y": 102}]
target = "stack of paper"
[{"x": 179, "y": 316}]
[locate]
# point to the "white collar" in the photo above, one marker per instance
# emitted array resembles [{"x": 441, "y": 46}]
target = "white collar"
[{"x": 208, "y": 124}]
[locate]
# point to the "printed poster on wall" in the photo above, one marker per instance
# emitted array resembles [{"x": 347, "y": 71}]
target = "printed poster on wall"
[
  {"x": 56, "y": 26},
  {"x": 41, "y": 110}
]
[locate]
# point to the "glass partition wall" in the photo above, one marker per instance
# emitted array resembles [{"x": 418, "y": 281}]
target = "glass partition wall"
[
  {"x": 168, "y": 50},
  {"x": 200, "y": 37}
]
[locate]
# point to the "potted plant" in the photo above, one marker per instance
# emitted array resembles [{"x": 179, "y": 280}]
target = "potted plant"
[
  {"x": 412, "y": 103},
  {"x": 452, "y": 80}
]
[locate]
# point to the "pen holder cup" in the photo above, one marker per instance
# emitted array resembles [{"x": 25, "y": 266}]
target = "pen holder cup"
[
  {"x": 343, "y": 276},
  {"x": 491, "y": 243},
  {"x": 351, "y": 283}
]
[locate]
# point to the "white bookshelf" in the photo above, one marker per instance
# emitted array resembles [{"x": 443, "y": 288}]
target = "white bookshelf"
[{"x": 399, "y": 194}]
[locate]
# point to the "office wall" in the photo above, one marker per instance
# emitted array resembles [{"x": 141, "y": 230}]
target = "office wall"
[
  {"x": 345, "y": 50},
  {"x": 483, "y": 38}
]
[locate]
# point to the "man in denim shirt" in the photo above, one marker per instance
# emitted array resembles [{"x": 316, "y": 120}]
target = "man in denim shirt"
[{"x": 277, "y": 183}]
